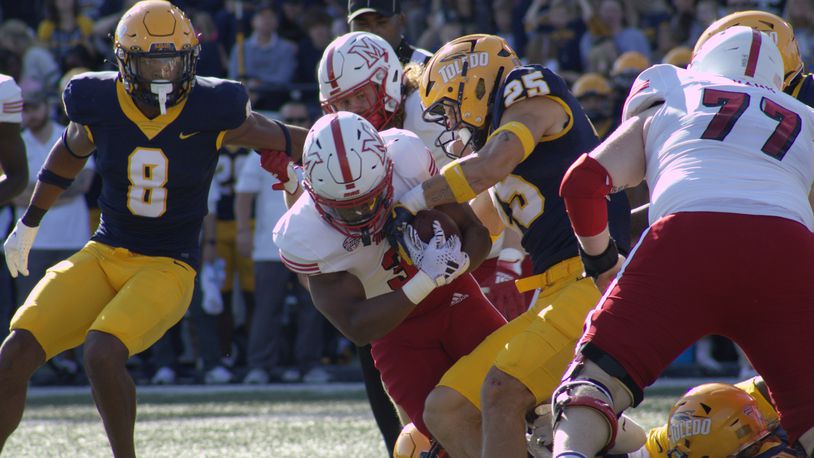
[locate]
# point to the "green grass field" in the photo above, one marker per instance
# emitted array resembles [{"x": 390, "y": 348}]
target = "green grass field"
[{"x": 276, "y": 422}]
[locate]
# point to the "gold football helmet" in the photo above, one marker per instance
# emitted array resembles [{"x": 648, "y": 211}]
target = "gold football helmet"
[
  {"x": 156, "y": 50},
  {"x": 459, "y": 84},
  {"x": 714, "y": 420},
  {"x": 410, "y": 443},
  {"x": 591, "y": 84},
  {"x": 680, "y": 56},
  {"x": 775, "y": 26}
]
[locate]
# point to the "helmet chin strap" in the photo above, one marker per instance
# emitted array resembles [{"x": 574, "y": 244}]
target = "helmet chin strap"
[{"x": 161, "y": 89}]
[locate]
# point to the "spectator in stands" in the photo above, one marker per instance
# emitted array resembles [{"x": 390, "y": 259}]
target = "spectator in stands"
[
  {"x": 800, "y": 15},
  {"x": 272, "y": 277},
  {"x": 37, "y": 63},
  {"x": 269, "y": 61},
  {"x": 291, "y": 17},
  {"x": 554, "y": 30},
  {"x": 385, "y": 19},
  {"x": 64, "y": 28},
  {"x": 317, "y": 25},
  {"x": 654, "y": 21},
  {"x": 607, "y": 25},
  {"x": 213, "y": 59},
  {"x": 65, "y": 228}
]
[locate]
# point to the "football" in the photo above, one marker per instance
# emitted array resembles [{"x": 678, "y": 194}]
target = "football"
[{"x": 422, "y": 223}]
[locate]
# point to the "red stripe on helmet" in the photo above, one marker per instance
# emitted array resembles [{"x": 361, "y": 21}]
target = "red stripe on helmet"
[
  {"x": 754, "y": 52},
  {"x": 331, "y": 76},
  {"x": 341, "y": 154}
]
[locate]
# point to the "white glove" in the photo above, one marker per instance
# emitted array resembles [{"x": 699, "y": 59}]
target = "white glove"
[
  {"x": 212, "y": 277},
  {"x": 17, "y": 246},
  {"x": 541, "y": 439},
  {"x": 442, "y": 259},
  {"x": 414, "y": 245}
]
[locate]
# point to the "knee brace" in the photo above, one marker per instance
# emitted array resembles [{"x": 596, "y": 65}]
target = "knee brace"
[
  {"x": 586, "y": 392},
  {"x": 584, "y": 188}
]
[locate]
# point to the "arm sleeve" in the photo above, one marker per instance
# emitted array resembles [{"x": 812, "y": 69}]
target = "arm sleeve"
[
  {"x": 298, "y": 265},
  {"x": 78, "y": 99},
  {"x": 234, "y": 98},
  {"x": 11, "y": 100}
]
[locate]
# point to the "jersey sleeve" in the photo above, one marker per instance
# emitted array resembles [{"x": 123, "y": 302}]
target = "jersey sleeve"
[
  {"x": 650, "y": 89},
  {"x": 411, "y": 158},
  {"x": 79, "y": 99},
  {"x": 12, "y": 101},
  {"x": 231, "y": 102},
  {"x": 531, "y": 81}
]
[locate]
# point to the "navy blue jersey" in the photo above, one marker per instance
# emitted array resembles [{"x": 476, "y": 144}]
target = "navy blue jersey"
[
  {"x": 804, "y": 89},
  {"x": 529, "y": 196},
  {"x": 155, "y": 173}
]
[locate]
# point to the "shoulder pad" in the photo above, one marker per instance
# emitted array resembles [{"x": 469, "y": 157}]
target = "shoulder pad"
[
  {"x": 83, "y": 93},
  {"x": 229, "y": 98},
  {"x": 307, "y": 243},
  {"x": 651, "y": 88},
  {"x": 531, "y": 81},
  {"x": 11, "y": 101},
  {"x": 411, "y": 158}
]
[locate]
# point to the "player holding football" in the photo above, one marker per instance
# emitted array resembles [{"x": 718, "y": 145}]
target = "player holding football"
[
  {"x": 722, "y": 149},
  {"x": 475, "y": 86},
  {"x": 420, "y": 318},
  {"x": 156, "y": 128}
]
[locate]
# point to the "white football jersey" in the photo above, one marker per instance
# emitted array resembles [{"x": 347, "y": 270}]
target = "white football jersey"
[
  {"x": 721, "y": 145},
  {"x": 427, "y": 131},
  {"x": 11, "y": 100},
  {"x": 309, "y": 245}
]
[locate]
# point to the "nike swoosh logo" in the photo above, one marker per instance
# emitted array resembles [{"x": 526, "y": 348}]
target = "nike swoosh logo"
[{"x": 184, "y": 136}]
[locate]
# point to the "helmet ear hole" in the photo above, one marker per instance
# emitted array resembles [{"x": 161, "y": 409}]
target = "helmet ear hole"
[{"x": 480, "y": 89}]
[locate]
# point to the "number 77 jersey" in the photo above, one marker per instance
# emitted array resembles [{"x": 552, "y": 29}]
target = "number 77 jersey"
[{"x": 722, "y": 145}]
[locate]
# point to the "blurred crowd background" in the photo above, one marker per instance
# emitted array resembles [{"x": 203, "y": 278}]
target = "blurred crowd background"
[{"x": 266, "y": 329}]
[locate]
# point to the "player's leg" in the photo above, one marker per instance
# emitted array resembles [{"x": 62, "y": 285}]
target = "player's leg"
[
  {"x": 776, "y": 340},
  {"x": 54, "y": 318},
  {"x": 155, "y": 293},
  {"x": 384, "y": 412},
  {"x": 532, "y": 363},
  {"x": 452, "y": 418}
]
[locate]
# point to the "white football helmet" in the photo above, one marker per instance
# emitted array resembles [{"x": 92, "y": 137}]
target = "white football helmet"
[
  {"x": 351, "y": 62},
  {"x": 741, "y": 53},
  {"x": 348, "y": 174}
]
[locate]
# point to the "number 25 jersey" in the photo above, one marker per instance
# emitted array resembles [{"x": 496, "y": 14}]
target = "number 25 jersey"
[
  {"x": 721, "y": 145},
  {"x": 156, "y": 172}
]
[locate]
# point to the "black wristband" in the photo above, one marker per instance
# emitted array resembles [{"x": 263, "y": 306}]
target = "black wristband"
[
  {"x": 287, "y": 135},
  {"x": 601, "y": 263},
  {"x": 33, "y": 215},
  {"x": 67, "y": 147},
  {"x": 49, "y": 177},
  {"x": 211, "y": 242}
]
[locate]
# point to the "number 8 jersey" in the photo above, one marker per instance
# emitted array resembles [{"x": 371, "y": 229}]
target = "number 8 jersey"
[
  {"x": 722, "y": 145},
  {"x": 156, "y": 172}
]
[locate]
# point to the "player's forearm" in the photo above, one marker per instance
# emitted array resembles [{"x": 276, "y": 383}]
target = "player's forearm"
[
  {"x": 62, "y": 168},
  {"x": 373, "y": 318},
  {"x": 260, "y": 132}
]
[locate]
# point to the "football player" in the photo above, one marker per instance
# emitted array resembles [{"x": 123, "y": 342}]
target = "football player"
[
  {"x": 420, "y": 318},
  {"x": 525, "y": 127},
  {"x": 722, "y": 148},
  {"x": 156, "y": 128},
  {"x": 13, "y": 164},
  {"x": 717, "y": 419}
]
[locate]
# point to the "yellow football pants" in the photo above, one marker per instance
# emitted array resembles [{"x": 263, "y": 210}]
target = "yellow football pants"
[
  {"x": 536, "y": 347},
  {"x": 134, "y": 297}
]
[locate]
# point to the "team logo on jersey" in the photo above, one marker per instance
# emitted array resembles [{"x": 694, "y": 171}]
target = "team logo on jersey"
[
  {"x": 457, "y": 62},
  {"x": 369, "y": 51},
  {"x": 351, "y": 243}
]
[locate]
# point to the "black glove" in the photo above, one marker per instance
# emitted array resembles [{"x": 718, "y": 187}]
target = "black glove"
[{"x": 394, "y": 228}]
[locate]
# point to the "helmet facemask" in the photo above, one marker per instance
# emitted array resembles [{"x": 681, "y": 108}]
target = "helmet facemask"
[
  {"x": 447, "y": 113},
  {"x": 362, "y": 217},
  {"x": 160, "y": 78},
  {"x": 381, "y": 106}
]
